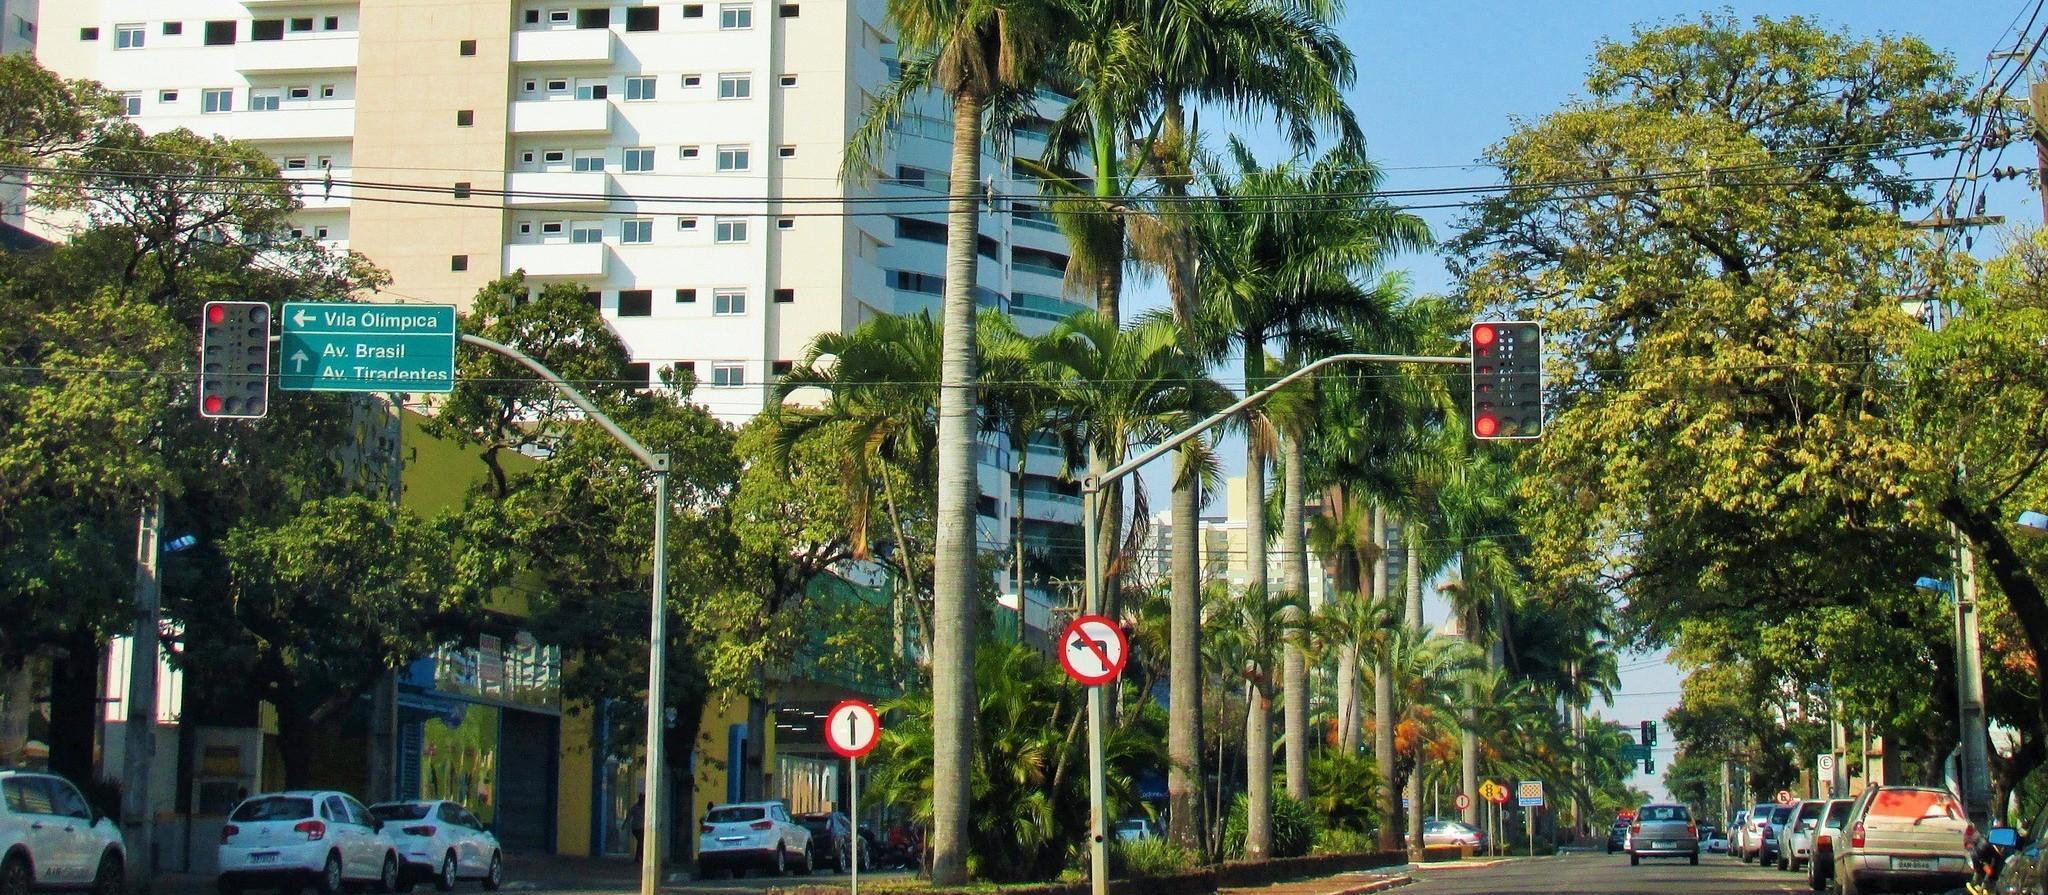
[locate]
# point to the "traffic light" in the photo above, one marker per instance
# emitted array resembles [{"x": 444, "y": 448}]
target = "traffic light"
[
  {"x": 234, "y": 360},
  {"x": 1507, "y": 380},
  {"x": 1649, "y": 733}
]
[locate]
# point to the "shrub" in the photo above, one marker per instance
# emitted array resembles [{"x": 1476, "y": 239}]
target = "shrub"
[
  {"x": 1295, "y": 825},
  {"x": 1150, "y": 857},
  {"x": 1339, "y": 841}
]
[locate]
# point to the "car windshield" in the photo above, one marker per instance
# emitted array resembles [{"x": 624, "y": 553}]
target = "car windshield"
[
  {"x": 399, "y": 811},
  {"x": 1661, "y": 813},
  {"x": 1913, "y": 804},
  {"x": 814, "y": 821},
  {"x": 274, "y": 808},
  {"x": 1780, "y": 815},
  {"x": 1838, "y": 813},
  {"x": 737, "y": 815},
  {"x": 1130, "y": 825}
]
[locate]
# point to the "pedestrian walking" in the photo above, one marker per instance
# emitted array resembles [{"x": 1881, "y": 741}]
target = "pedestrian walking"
[{"x": 636, "y": 823}]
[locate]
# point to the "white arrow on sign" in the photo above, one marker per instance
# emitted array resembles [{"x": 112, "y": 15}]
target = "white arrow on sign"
[
  {"x": 851, "y": 728},
  {"x": 299, "y": 359},
  {"x": 299, "y": 317}
]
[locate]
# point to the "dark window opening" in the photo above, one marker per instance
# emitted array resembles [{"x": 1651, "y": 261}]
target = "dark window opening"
[
  {"x": 921, "y": 231},
  {"x": 686, "y": 296},
  {"x": 636, "y": 375},
  {"x": 462, "y": 189},
  {"x": 988, "y": 248},
  {"x": 458, "y": 262},
  {"x": 785, "y": 296},
  {"x": 219, "y": 34},
  {"x": 594, "y": 299},
  {"x": 987, "y": 506},
  {"x": 643, "y": 18},
  {"x": 303, "y": 24},
  {"x": 174, "y": 27},
  {"x": 266, "y": 29},
  {"x": 636, "y": 302},
  {"x": 787, "y": 10},
  {"x": 533, "y": 17},
  {"x": 331, "y": 23},
  {"x": 466, "y": 48},
  {"x": 593, "y": 18},
  {"x": 465, "y": 118},
  {"x": 782, "y": 367},
  {"x": 1041, "y": 259},
  {"x": 693, "y": 10},
  {"x": 88, "y": 34}
]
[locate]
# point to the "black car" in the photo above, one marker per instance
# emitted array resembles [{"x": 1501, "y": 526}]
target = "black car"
[
  {"x": 1617, "y": 837},
  {"x": 831, "y": 840}
]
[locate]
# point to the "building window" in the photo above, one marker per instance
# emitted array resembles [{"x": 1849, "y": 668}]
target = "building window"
[
  {"x": 686, "y": 223},
  {"x": 909, "y": 176},
  {"x": 920, "y": 231},
  {"x": 786, "y": 151},
  {"x": 558, "y": 85},
  {"x": 590, "y": 160},
  {"x": 461, "y": 190},
  {"x": 735, "y": 16},
  {"x": 586, "y": 232},
  {"x": 636, "y": 232},
  {"x": 692, "y": 80},
  {"x": 532, "y": 17},
  {"x": 787, "y": 10},
  {"x": 216, "y": 100},
  {"x": 551, "y": 228},
  {"x": 170, "y": 28},
  {"x": 728, "y": 302},
  {"x": 304, "y": 24},
  {"x": 297, "y": 163},
  {"x": 639, "y": 89},
  {"x": 266, "y": 29},
  {"x": 263, "y": 102},
  {"x": 730, "y": 230},
  {"x": 131, "y": 104},
  {"x": 458, "y": 263},
  {"x": 594, "y": 299},
  {"x": 686, "y": 296},
  {"x": 728, "y": 375},
  {"x": 599, "y": 17},
  {"x": 167, "y": 96},
  {"x": 525, "y": 228},
  {"x": 639, "y": 159},
  {"x": 128, "y": 37},
  {"x": 686, "y": 152},
  {"x": 643, "y": 18},
  {"x": 693, "y": 10},
  {"x": 636, "y": 375},
  {"x": 298, "y": 93},
  {"x": 330, "y": 23},
  {"x": 319, "y": 232},
  {"x": 734, "y": 158},
  {"x": 465, "y": 118},
  {"x": 88, "y": 34},
  {"x": 783, "y": 367},
  {"x": 788, "y": 80},
  {"x": 464, "y": 48},
  {"x": 785, "y": 296},
  {"x": 558, "y": 17},
  {"x": 553, "y": 156},
  {"x": 912, "y": 281},
  {"x": 327, "y": 91},
  {"x": 735, "y": 86},
  {"x": 785, "y": 223},
  {"x": 593, "y": 91},
  {"x": 636, "y": 302}
]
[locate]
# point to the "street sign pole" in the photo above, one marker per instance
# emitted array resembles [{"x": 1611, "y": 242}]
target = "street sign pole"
[
  {"x": 1098, "y": 828},
  {"x": 851, "y": 729},
  {"x": 853, "y": 841}
]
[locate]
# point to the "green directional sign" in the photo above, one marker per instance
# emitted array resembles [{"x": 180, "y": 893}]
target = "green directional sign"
[
  {"x": 1633, "y": 752},
  {"x": 358, "y": 347}
]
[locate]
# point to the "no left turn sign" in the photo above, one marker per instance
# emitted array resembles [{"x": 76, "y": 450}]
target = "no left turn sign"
[
  {"x": 1093, "y": 650},
  {"x": 851, "y": 728}
]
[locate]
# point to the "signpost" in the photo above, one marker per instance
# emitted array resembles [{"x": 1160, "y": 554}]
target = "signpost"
[
  {"x": 1093, "y": 651},
  {"x": 1824, "y": 775},
  {"x": 358, "y": 347},
  {"x": 1529, "y": 794},
  {"x": 851, "y": 729}
]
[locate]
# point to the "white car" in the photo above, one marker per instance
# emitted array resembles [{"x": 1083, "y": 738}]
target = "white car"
[
  {"x": 443, "y": 842},
  {"x": 52, "y": 839},
  {"x": 1134, "y": 829},
  {"x": 289, "y": 839},
  {"x": 752, "y": 835}
]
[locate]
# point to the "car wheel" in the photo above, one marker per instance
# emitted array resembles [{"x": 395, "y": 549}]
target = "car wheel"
[
  {"x": 445, "y": 880},
  {"x": 329, "y": 881},
  {"x": 808, "y": 865},
  {"x": 387, "y": 878},
  {"x": 1634, "y": 859},
  {"x": 1813, "y": 880},
  {"x": 781, "y": 861},
  {"x": 1695, "y": 859},
  {"x": 494, "y": 876},
  {"x": 109, "y": 881},
  {"x": 15, "y": 877}
]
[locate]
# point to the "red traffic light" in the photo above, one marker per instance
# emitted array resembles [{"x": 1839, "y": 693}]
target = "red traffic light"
[
  {"x": 1483, "y": 335},
  {"x": 213, "y": 404},
  {"x": 216, "y": 314},
  {"x": 1486, "y": 426}
]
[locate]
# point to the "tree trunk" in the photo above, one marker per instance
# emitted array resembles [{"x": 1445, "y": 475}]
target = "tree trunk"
[
  {"x": 1468, "y": 740},
  {"x": 295, "y": 745},
  {"x": 1294, "y": 580},
  {"x": 1411, "y": 561},
  {"x": 1184, "y": 661},
  {"x": 1259, "y": 757},
  {"x": 953, "y": 575},
  {"x": 1383, "y": 700},
  {"x": 17, "y": 691},
  {"x": 1348, "y": 714}
]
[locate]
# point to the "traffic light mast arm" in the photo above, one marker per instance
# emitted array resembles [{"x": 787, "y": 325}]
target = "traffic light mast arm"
[
  {"x": 653, "y": 461},
  {"x": 1096, "y": 483}
]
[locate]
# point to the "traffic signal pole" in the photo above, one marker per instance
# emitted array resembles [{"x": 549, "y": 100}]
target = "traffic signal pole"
[
  {"x": 138, "y": 811},
  {"x": 654, "y": 816}
]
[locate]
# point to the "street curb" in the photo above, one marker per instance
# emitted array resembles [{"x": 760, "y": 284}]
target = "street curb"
[
  {"x": 1464, "y": 865},
  {"x": 1376, "y": 886}
]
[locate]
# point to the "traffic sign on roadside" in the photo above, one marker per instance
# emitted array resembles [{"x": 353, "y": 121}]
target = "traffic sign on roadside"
[
  {"x": 852, "y": 728},
  {"x": 1633, "y": 752},
  {"x": 1463, "y": 801},
  {"x": 367, "y": 347},
  {"x": 1093, "y": 650},
  {"x": 1529, "y": 793},
  {"x": 1785, "y": 797}
]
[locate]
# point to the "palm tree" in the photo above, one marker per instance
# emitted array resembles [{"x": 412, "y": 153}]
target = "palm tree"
[
  {"x": 1249, "y": 632},
  {"x": 978, "y": 53},
  {"x": 1018, "y": 403}
]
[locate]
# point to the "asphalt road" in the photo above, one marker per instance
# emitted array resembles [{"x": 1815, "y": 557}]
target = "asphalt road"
[{"x": 1601, "y": 874}]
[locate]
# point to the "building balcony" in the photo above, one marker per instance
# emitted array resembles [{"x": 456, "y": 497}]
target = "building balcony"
[
  {"x": 337, "y": 122},
  {"x": 556, "y": 259},
  {"x": 557, "y": 189},
  {"x": 1052, "y": 506},
  {"x": 308, "y": 54},
  {"x": 570, "y": 116},
  {"x": 311, "y": 188},
  {"x": 574, "y": 45}
]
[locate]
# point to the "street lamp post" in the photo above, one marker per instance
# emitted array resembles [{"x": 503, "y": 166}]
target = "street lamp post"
[
  {"x": 1973, "y": 766},
  {"x": 1091, "y": 522}
]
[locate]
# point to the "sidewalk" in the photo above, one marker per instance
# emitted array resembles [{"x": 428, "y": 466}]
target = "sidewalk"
[{"x": 1357, "y": 883}]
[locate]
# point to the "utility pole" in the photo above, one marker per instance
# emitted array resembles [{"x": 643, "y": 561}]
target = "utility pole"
[
  {"x": 1975, "y": 769},
  {"x": 2037, "y": 96},
  {"x": 139, "y": 733}
]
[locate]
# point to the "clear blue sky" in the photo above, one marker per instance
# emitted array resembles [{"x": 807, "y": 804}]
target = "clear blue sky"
[{"x": 1439, "y": 82}]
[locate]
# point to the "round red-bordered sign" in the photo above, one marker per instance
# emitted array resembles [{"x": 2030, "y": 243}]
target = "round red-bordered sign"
[
  {"x": 852, "y": 728},
  {"x": 1093, "y": 650},
  {"x": 1464, "y": 801}
]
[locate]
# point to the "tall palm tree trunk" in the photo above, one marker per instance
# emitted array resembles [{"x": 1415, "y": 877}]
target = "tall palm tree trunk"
[
  {"x": 1346, "y": 582},
  {"x": 1383, "y": 700},
  {"x": 1294, "y": 670},
  {"x": 1184, "y": 661},
  {"x": 1468, "y": 740},
  {"x": 1411, "y": 560},
  {"x": 1258, "y": 738},
  {"x": 953, "y": 572}
]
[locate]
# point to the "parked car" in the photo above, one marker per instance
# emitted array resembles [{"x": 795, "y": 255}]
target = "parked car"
[
  {"x": 1904, "y": 838},
  {"x": 1663, "y": 831},
  {"x": 1713, "y": 840},
  {"x": 1773, "y": 831},
  {"x": 52, "y": 839},
  {"x": 831, "y": 840},
  {"x": 1738, "y": 830},
  {"x": 1133, "y": 829},
  {"x": 1617, "y": 836},
  {"x": 1451, "y": 832},
  {"x": 1758, "y": 821},
  {"x": 443, "y": 842},
  {"x": 752, "y": 835},
  {"x": 1820, "y": 871},
  {"x": 1798, "y": 837},
  {"x": 289, "y": 839}
]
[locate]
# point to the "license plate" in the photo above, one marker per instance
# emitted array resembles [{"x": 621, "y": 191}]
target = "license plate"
[
  {"x": 1660, "y": 846},
  {"x": 1915, "y": 864},
  {"x": 263, "y": 857}
]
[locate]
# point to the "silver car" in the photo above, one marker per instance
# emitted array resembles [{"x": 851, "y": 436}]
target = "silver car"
[
  {"x": 1903, "y": 839},
  {"x": 1799, "y": 831},
  {"x": 1663, "y": 831}
]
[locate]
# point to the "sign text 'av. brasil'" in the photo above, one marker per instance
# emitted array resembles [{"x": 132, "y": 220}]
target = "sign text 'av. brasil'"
[{"x": 336, "y": 347}]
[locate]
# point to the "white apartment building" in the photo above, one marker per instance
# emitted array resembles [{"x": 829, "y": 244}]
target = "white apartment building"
[
  {"x": 679, "y": 159},
  {"x": 17, "y": 35}
]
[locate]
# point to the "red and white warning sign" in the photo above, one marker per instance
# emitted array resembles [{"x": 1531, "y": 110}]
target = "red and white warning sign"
[
  {"x": 1093, "y": 650},
  {"x": 851, "y": 728}
]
